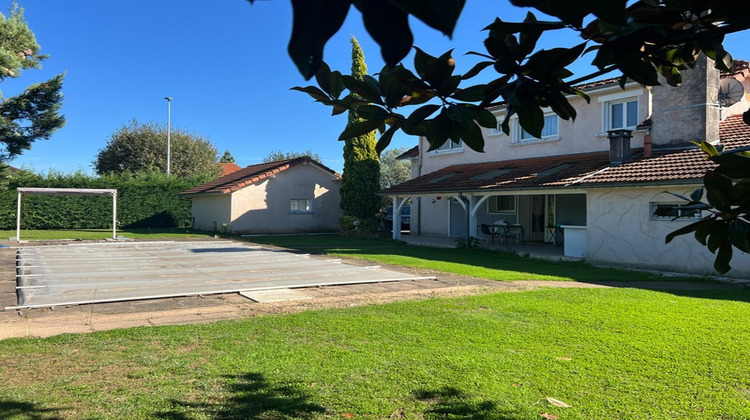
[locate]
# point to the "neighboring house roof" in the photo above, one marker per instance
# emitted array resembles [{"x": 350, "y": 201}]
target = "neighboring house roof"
[
  {"x": 228, "y": 168},
  {"x": 409, "y": 154},
  {"x": 576, "y": 170},
  {"x": 250, "y": 175}
]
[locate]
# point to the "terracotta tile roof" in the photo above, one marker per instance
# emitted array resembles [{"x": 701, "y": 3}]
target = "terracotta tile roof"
[
  {"x": 538, "y": 173},
  {"x": 574, "y": 171},
  {"x": 228, "y": 168},
  {"x": 409, "y": 154},
  {"x": 250, "y": 175}
]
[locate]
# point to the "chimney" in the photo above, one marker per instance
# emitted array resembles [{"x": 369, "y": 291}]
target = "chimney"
[
  {"x": 619, "y": 145},
  {"x": 690, "y": 111}
]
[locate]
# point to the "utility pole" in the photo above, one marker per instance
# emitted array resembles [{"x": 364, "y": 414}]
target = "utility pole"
[{"x": 169, "y": 130}]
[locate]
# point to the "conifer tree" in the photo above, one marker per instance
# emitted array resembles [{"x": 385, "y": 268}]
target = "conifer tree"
[
  {"x": 361, "y": 177},
  {"x": 32, "y": 114}
]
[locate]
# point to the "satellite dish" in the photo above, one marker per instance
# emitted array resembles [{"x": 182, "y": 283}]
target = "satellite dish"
[{"x": 730, "y": 91}]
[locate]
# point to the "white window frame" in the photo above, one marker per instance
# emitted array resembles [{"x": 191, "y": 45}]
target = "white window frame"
[
  {"x": 620, "y": 98},
  {"x": 450, "y": 147},
  {"x": 493, "y": 204},
  {"x": 655, "y": 204},
  {"x": 300, "y": 206},
  {"x": 518, "y": 131}
]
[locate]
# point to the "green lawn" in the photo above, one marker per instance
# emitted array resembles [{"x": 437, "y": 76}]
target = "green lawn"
[
  {"x": 32, "y": 235},
  {"x": 482, "y": 263},
  {"x": 609, "y": 353}
]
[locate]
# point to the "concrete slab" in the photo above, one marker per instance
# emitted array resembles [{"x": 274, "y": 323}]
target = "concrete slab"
[
  {"x": 70, "y": 274},
  {"x": 274, "y": 295}
]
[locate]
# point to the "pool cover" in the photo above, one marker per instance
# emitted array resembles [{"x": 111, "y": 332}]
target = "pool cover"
[{"x": 56, "y": 275}]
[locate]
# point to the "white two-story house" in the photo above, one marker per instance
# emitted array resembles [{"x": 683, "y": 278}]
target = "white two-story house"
[{"x": 598, "y": 179}]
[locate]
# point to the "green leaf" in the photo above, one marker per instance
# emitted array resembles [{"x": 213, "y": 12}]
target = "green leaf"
[
  {"x": 365, "y": 89},
  {"x": 470, "y": 94},
  {"x": 485, "y": 118},
  {"x": 313, "y": 91},
  {"x": 438, "y": 129},
  {"x": 361, "y": 128},
  {"x": 439, "y": 14},
  {"x": 708, "y": 148},
  {"x": 323, "y": 77},
  {"x": 739, "y": 234},
  {"x": 389, "y": 27},
  {"x": 476, "y": 69},
  {"x": 746, "y": 117},
  {"x": 696, "y": 195},
  {"x": 385, "y": 139},
  {"x": 719, "y": 233},
  {"x": 718, "y": 190},
  {"x": 721, "y": 263},
  {"x": 689, "y": 228},
  {"x": 314, "y": 23},
  {"x": 370, "y": 112},
  {"x": 393, "y": 88},
  {"x": 471, "y": 135},
  {"x": 421, "y": 113}
]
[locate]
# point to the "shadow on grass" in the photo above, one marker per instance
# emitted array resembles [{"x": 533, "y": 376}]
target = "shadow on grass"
[
  {"x": 252, "y": 398},
  {"x": 26, "y": 410},
  {"x": 449, "y": 402}
]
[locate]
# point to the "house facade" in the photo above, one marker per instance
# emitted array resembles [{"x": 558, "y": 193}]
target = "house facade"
[
  {"x": 289, "y": 196},
  {"x": 597, "y": 180}
]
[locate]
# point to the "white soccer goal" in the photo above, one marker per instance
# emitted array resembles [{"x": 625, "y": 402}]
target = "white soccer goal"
[{"x": 67, "y": 191}]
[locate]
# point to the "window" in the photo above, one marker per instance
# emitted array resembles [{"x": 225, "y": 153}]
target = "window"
[
  {"x": 504, "y": 204},
  {"x": 300, "y": 206},
  {"x": 622, "y": 114},
  {"x": 549, "y": 131},
  {"x": 668, "y": 211},
  {"x": 450, "y": 145}
]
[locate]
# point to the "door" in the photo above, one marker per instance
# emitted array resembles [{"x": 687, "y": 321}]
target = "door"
[{"x": 536, "y": 228}]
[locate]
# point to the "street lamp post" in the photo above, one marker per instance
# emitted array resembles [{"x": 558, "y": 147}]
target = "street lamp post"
[{"x": 169, "y": 129}]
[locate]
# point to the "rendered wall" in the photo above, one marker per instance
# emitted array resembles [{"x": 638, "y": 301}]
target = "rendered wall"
[
  {"x": 264, "y": 207},
  {"x": 210, "y": 211},
  {"x": 621, "y": 232}
]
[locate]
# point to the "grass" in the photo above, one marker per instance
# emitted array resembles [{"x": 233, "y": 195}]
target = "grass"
[
  {"x": 103, "y": 234},
  {"x": 609, "y": 353},
  {"x": 482, "y": 263}
]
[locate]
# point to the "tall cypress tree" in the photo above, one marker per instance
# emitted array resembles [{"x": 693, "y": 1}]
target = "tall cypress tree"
[{"x": 361, "y": 178}]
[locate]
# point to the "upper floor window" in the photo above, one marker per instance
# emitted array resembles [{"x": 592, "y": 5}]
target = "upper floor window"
[
  {"x": 549, "y": 131},
  {"x": 300, "y": 206},
  {"x": 450, "y": 145},
  {"x": 622, "y": 114}
]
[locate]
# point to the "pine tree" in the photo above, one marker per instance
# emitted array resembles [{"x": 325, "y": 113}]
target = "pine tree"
[
  {"x": 227, "y": 157},
  {"x": 33, "y": 114},
  {"x": 361, "y": 177}
]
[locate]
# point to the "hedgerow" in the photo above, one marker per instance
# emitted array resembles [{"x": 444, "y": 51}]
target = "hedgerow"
[{"x": 143, "y": 200}]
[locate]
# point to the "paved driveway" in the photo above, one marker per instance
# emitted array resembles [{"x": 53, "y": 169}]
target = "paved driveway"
[{"x": 57, "y": 275}]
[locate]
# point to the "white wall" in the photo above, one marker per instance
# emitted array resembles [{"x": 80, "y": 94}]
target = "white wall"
[
  {"x": 585, "y": 135},
  {"x": 621, "y": 232},
  {"x": 264, "y": 207},
  {"x": 210, "y": 211}
]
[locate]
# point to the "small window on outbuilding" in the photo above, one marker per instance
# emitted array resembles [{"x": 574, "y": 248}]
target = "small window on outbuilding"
[
  {"x": 300, "y": 206},
  {"x": 673, "y": 211}
]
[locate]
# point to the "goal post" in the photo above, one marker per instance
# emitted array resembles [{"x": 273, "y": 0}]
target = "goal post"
[{"x": 67, "y": 191}]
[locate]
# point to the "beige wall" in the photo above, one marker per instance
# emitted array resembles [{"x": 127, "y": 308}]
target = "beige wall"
[
  {"x": 621, "y": 232},
  {"x": 264, "y": 207},
  {"x": 210, "y": 211},
  {"x": 585, "y": 135}
]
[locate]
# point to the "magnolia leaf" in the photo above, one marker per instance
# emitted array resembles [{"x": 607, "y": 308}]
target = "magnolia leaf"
[
  {"x": 557, "y": 403},
  {"x": 470, "y": 94},
  {"x": 385, "y": 139},
  {"x": 313, "y": 91},
  {"x": 721, "y": 263},
  {"x": 739, "y": 234},
  {"x": 389, "y": 27},
  {"x": 314, "y": 23},
  {"x": 439, "y": 14},
  {"x": 687, "y": 229},
  {"x": 360, "y": 128}
]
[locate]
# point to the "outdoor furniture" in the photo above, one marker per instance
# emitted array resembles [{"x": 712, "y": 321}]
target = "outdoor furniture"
[
  {"x": 511, "y": 232},
  {"x": 489, "y": 233}
]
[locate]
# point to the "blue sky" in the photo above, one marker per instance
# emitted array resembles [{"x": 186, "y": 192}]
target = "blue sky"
[{"x": 223, "y": 61}]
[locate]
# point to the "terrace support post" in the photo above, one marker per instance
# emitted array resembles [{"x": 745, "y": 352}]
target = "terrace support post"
[{"x": 474, "y": 203}]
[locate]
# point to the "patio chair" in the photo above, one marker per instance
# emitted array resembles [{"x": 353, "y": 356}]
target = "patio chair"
[{"x": 489, "y": 234}]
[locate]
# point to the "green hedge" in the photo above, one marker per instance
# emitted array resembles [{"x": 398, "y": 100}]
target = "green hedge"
[{"x": 143, "y": 200}]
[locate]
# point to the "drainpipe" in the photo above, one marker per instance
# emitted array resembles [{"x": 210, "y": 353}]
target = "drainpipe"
[{"x": 419, "y": 199}]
